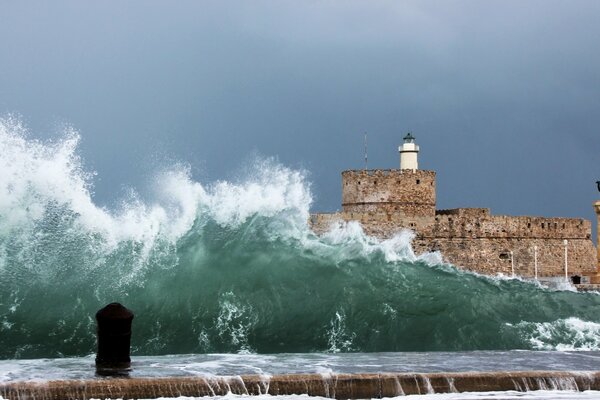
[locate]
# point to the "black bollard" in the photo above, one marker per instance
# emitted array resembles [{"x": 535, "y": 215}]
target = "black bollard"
[{"x": 114, "y": 339}]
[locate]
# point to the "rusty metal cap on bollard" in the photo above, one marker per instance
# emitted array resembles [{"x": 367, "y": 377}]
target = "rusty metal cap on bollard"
[{"x": 114, "y": 311}]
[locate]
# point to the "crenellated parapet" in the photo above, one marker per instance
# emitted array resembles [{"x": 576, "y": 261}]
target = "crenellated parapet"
[{"x": 478, "y": 222}]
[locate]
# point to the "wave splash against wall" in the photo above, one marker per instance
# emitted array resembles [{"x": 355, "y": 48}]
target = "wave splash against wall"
[{"x": 234, "y": 267}]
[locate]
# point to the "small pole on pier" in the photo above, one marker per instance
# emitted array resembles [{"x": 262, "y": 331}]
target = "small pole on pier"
[
  {"x": 566, "y": 243},
  {"x": 366, "y": 157},
  {"x": 114, "y": 340},
  {"x": 512, "y": 263},
  {"x": 535, "y": 266}
]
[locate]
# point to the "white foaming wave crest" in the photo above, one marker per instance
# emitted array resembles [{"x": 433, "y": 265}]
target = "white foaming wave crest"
[
  {"x": 570, "y": 334},
  {"x": 33, "y": 172},
  {"x": 350, "y": 241},
  {"x": 36, "y": 175},
  {"x": 269, "y": 190}
]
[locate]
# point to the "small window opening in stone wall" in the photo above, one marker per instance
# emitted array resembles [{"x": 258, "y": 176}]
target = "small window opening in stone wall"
[
  {"x": 576, "y": 279},
  {"x": 375, "y": 182},
  {"x": 418, "y": 181},
  {"x": 529, "y": 225},
  {"x": 359, "y": 182},
  {"x": 504, "y": 255},
  {"x": 542, "y": 222},
  {"x": 563, "y": 226}
]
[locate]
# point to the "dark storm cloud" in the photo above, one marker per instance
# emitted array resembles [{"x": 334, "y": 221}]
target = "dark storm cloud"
[{"x": 503, "y": 97}]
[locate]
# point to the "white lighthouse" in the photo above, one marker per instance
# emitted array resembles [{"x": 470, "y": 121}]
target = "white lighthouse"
[{"x": 409, "y": 152}]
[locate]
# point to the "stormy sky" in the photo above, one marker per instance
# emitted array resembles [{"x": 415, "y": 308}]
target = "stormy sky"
[{"x": 502, "y": 96}]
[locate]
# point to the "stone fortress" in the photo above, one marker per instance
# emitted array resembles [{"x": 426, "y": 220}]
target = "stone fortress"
[{"x": 387, "y": 201}]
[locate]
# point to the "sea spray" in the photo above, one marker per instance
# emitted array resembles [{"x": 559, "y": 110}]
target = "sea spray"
[
  {"x": 563, "y": 334},
  {"x": 234, "y": 267}
]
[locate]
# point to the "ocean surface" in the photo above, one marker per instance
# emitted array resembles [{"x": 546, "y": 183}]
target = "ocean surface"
[
  {"x": 232, "y": 267},
  {"x": 306, "y": 363}
]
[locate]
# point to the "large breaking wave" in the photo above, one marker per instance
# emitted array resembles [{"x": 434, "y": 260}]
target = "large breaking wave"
[{"x": 234, "y": 267}]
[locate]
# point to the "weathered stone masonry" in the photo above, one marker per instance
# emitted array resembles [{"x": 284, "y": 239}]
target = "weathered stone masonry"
[
  {"x": 475, "y": 240},
  {"x": 394, "y": 191},
  {"x": 387, "y": 201}
]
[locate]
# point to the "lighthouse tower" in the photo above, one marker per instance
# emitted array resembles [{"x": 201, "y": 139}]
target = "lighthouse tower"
[
  {"x": 408, "y": 191},
  {"x": 409, "y": 152}
]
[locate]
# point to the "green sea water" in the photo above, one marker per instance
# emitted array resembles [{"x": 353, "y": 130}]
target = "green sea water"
[{"x": 232, "y": 266}]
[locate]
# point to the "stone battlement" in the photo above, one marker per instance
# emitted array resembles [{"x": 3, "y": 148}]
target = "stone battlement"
[
  {"x": 473, "y": 212},
  {"x": 388, "y": 171},
  {"x": 385, "y": 201},
  {"x": 408, "y": 192},
  {"x": 503, "y": 226}
]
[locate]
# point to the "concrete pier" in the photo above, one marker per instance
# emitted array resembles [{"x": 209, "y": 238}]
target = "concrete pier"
[{"x": 338, "y": 386}]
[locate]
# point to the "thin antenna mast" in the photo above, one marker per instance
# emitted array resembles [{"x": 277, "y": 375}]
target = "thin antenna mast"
[{"x": 366, "y": 157}]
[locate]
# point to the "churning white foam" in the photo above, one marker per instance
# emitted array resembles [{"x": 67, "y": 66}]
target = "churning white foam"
[
  {"x": 570, "y": 334},
  {"x": 39, "y": 178},
  {"x": 508, "y": 395},
  {"x": 350, "y": 241}
]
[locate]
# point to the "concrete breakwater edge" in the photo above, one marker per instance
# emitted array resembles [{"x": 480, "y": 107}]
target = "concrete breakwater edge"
[{"x": 337, "y": 386}]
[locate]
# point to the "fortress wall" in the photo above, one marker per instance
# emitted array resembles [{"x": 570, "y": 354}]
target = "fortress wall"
[
  {"x": 470, "y": 212},
  {"x": 375, "y": 223},
  {"x": 322, "y": 222},
  {"x": 405, "y": 209},
  {"x": 401, "y": 191},
  {"x": 501, "y": 226},
  {"x": 483, "y": 243},
  {"x": 492, "y": 256},
  {"x": 383, "y": 224}
]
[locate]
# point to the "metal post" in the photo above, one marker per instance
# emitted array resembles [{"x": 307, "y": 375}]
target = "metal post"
[
  {"x": 114, "y": 338},
  {"x": 566, "y": 243},
  {"x": 535, "y": 267},
  {"x": 512, "y": 264},
  {"x": 366, "y": 157}
]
